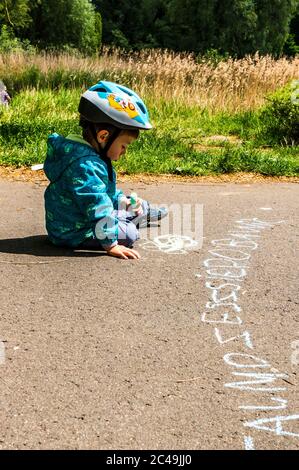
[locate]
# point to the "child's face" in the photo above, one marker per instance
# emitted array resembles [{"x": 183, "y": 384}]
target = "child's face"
[{"x": 119, "y": 146}]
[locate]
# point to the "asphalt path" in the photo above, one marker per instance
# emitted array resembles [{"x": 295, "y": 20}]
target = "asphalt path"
[{"x": 194, "y": 348}]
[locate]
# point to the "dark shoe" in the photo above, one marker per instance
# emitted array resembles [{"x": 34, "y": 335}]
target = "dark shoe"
[{"x": 153, "y": 215}]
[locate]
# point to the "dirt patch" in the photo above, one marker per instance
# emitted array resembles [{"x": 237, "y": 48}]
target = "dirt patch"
[
  {"x": 27, "y": 175},
  {"x": 232, "y": 139},
  {"x": 217, "y": 142},
  {"x": 241, "y": 178}
]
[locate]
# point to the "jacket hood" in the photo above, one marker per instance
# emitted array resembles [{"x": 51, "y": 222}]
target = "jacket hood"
[{"x": 62, "y": 152}]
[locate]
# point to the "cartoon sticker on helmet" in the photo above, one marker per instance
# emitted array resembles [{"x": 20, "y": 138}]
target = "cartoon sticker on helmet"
[{"x": 121, "y": 104}]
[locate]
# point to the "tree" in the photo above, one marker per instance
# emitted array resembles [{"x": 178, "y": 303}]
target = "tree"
[
  {"x": 15, "y": 14},
  {"x": 65, "y": 23},
  {"x": 81, "y": 26},
  {"x": 291, "y": 47},
  {"x": 157, "y": 30},
  {"x": 236, "y": 26},
  {"x": 294, "y": 26},
  {"x": 122, "y": 21},
  {"x": 193, "y": 24},
  {"x": 273, "y": 25}
]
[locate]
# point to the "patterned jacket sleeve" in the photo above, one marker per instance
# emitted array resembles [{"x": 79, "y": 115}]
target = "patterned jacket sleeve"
[
  {"x": 117, "y": 197},
  {"x": 90, "y": 194}
]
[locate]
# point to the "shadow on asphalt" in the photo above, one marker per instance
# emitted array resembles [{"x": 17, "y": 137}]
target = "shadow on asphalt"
[{"x": 39, "y": 245}]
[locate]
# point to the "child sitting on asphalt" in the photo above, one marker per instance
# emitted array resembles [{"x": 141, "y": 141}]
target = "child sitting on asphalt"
[{"x": 83, "y": 207}]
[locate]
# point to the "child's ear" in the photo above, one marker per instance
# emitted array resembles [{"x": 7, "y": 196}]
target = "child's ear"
[{"x": 103, "y": 136}]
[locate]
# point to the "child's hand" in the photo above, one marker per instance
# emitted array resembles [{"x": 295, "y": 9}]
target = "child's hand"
[
  {"x": 120, "y": 251},
  {"x": 137, "y": 208}
]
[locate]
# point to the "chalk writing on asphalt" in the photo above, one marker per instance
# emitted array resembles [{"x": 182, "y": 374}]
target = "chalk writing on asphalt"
[{"x": 226, "y": 269}]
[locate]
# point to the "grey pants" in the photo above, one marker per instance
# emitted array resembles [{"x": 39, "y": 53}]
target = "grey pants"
[{"x": 128, "y": 233}]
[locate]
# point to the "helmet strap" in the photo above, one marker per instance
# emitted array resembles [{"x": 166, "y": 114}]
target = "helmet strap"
[
  {"x": 112, "y": 137},
  {"x": 103, "y": 151}
]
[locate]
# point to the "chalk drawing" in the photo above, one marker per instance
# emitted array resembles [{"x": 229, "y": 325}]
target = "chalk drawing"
[
  {"x": 232, "y": 273},
  {"x": 259, "y": 363},
  {"x": 226, "y": 269},
  {"x": 173, "y": 244},
  {"x": 224, "y": 318},
  {"x": 246, "y": 336},
  {"x": 284, "y": 404},
  {"x": 277, "y": 429},
  {"x": 223, "y": 263},
  {"x": 248, "y": 443},
  {"x": 220, "y": 254},
  {"x": 231, "y": 294},
  {"x": 261, "y": 378},
  {"x": 249, "y": 229},
  {"x": 213, "y": 305},
  {"x": 235, "y": 243},
  {"x": 266, "y": 209},
  {"x": 213, "y": 285},
  {"x": 255, "y": 222},
  {"x": 244, "y": 236}
]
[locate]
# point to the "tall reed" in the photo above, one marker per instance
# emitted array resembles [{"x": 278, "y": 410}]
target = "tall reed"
[{"x": 231, "y": 85}]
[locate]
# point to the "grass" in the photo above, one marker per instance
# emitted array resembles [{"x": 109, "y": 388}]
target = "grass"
[
  {"x": 183, "y": 142},
  {"x": 190, "y": 103}
]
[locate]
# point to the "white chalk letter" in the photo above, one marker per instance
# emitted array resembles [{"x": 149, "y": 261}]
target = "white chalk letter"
[
  {"x": 258, "y": 362},
  {"x": 277, "y": 429}
]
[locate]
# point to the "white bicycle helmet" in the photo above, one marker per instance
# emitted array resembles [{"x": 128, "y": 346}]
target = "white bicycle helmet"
[{"x": 110, "y": 103}]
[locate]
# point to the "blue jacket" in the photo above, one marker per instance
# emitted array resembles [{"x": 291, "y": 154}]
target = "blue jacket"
[{"x": 82, "y": 195}]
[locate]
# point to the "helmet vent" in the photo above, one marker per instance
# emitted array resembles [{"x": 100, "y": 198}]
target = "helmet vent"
[
  {"x": 141, "y": 107},
  {"x": 125, "y": 90},
  {"x": 100, "y": 89}
]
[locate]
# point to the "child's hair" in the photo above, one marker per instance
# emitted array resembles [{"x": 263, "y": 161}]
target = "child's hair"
[{"x": 89, "y": 129}]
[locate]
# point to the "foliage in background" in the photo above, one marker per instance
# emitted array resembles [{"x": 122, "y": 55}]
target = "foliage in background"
[
  {"x": 273, "y": 24},
  {"x": 280, "y": 117},
  {"x": 55, "y": 24},
  {"x": 15, "y": 14},
  {"x": 191, "y": 96},
  {"x": 291, "y": 47},
  {"x": 236, "y": 27},
  {"x": 10, "y": 44}
]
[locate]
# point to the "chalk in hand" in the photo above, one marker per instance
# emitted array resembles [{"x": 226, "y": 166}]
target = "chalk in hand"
[{"x": 133, "y": 199}]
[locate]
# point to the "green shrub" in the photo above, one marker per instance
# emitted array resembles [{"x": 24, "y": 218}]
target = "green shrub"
[
  {"x": 291, "y": 48},
  {"x": 9, "y": 43},
  {"x": 213, "y": 57},
  {"x": 280, "y": 117}
]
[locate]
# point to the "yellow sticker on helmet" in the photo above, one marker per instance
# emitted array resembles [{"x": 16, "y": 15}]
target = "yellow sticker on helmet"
[{"x": 121, "y": 104}]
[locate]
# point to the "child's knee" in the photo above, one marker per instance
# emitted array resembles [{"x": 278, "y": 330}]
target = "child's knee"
[{"x": 127, "y": 234}]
